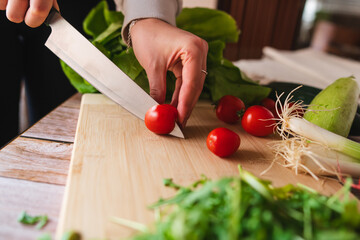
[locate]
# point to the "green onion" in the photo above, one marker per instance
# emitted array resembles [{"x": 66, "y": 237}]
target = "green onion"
[{"x": 320, "y": 135}]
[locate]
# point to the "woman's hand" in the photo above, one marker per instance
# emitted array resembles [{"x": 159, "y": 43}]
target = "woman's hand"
[
  {"x": 33, "y": 12},
  {"x": 159, "y": 47}
]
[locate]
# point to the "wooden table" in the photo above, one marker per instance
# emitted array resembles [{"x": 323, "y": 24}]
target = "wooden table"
[
  {"x": 33, "y": 171},
  {"x": 34, "y": 166}
]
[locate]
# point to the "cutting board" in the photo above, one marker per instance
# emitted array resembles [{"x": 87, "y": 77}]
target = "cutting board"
[{"x": 117, "y": 166}]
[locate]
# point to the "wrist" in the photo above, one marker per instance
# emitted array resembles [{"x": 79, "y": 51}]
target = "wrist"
[
  {"x": 132, "y": 23},
  {"x": 136, "y": 24}
]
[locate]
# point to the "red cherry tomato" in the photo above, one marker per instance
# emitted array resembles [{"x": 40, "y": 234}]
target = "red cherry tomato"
[
  {"x": 258, "y": 121},
  {"x": 161, "y": 119},
  {"x": 269, "y": 104},
  {"x": 299, "y": 111},
  {"x": 229, "y": 109},
  {"x": 223, "y": 142}
]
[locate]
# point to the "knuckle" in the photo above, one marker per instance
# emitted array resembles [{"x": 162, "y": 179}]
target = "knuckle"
[
  {"x": 157, "y": 94},
  {"x": 198, "y": 44}
]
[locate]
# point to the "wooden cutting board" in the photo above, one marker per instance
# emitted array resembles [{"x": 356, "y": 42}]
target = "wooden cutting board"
[{"x": 117, "y": 166}]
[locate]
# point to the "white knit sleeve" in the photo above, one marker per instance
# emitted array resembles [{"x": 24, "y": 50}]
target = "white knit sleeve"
[{"x": 166, "y": 10}]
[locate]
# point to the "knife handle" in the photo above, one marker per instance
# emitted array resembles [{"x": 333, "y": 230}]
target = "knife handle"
[{"x": 53, "y": 12}]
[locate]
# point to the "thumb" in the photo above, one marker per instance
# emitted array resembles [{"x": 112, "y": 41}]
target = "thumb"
[{"x": 157, "y": 84}]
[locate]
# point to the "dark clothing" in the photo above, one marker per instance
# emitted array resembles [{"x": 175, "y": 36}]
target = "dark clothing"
[{"x": 24, "y": 57}]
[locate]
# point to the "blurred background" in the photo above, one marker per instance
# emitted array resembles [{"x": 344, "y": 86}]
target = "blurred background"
[
  {"x": 328, "y": 25},
  {"x": 332, "y": 26}
]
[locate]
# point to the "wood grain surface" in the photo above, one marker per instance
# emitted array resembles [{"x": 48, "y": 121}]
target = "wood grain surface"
[
  {"x": 58, "y": 125},
  {"x": 36, "y": 160},
  {"x": 117, "y": 166},
  {"x": 34, "y": 198},
  {"x": 33, "y": 172}
]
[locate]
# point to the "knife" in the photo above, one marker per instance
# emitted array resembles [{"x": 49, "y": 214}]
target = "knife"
[{"x": 90, "y": 63}]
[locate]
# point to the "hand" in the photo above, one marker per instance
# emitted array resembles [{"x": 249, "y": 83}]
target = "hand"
[
  {"x": 33, "y": 12},
  {"x": 159, "y": 47}
]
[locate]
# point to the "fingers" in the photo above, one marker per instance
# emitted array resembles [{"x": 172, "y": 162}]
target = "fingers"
[
  {"x": 16, "y": 9},
  {"x": 192, "y": 81},
  {"x": 177, "y": 70},
  {"x": 33, "y": 12},
  {"x": 3, "y": 4},
  {"x": 157, "y": 83},
  {"x": 37, "y": 12}
]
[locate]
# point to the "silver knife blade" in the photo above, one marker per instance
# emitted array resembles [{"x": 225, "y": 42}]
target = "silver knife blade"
[{"x": 90, "y": 63}]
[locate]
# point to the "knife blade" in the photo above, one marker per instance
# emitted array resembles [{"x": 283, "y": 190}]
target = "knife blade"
[{"x": 90, "y": 63}]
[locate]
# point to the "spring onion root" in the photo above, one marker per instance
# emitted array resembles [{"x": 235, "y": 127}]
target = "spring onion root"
[{"x": 308, "y": 148}]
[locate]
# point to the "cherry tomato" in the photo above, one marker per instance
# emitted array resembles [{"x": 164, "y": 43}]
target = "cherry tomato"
[
  {"x": 299, "y": 112},
  {"x": 223, "y": 142},
  {"x": 258, "y": 121},
  {"x": 269, "y": 104},
  {"x": 161, "y": 119},
  {"x": 229, "y": 109}
]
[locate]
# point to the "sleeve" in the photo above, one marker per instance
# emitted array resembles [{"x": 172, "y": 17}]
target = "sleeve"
[{"x": 166, "y": 10}]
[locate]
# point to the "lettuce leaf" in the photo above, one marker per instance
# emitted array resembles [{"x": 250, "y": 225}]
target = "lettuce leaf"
[{"x": 208, "y": 24}]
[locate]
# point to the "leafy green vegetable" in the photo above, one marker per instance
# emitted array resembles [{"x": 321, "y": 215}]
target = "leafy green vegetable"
[
  {"x": 208, "y": 24},
  {"x": 100, "y": 18},
  {"x": 71, "y": 235},
  {"x": 76, "y": 80},
  {"x": 45, "y": 236},
  {"x": 246, "y": 207},
  {"x": 217, "y": 27},
  {"x": 40, "y": 220}
]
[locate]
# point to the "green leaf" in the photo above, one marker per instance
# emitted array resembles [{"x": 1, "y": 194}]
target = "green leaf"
[
  {"x": 71, "y": 235},
  {"x": 247, "y": 207},
  {"x": 76, "y": 80},
  {"x": 102, "y": 48},
  {"x": 215, "y": 53},
  {"x": 113, "y": 16},
  {"x": 208, "y": 24},
  {"x": 111, "y": 32},
  {"x": 95, "y": 23},
  {"x": 99, "y": 20},
  {"x": 44, "y": 236},
  {"x": 128, "y": 63},
  {"x": 40, "y": 220},
  {"x": 226, "y": 80}
]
